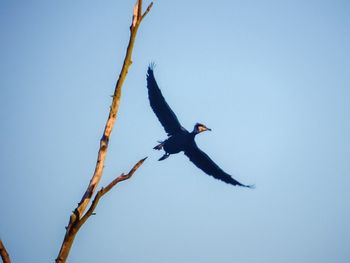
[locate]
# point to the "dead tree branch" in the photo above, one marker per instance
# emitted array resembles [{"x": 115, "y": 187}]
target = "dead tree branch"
[
  {"x": 106, "y": 189},
  {"x": 72, "y": 229},
  {"x": 136, "y": 21},
  {"x": 77, "y": 218},
  {"x": 3, "y": 253}
]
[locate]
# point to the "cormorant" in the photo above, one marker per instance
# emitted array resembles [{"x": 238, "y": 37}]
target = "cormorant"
[{"x": 179, "y": 139}]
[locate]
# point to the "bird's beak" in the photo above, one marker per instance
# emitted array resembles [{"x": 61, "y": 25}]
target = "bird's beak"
[{"x": 208, "y": 129}]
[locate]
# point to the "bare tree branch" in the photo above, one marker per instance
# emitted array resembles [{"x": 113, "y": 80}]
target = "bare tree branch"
[
  {"x": 3, "y": 253},
  {"x": 112, "y": 114},
  {"x": 106, "y": 189},
  {"x": 147, "y": 10},
  {"x": 76, "y": 218},
  {"x": 74, "y": 226}
]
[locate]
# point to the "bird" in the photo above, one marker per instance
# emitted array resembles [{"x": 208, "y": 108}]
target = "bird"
[{"x": 179, "y": 139}]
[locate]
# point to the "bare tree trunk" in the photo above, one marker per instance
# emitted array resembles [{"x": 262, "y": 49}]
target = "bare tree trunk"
[
  {"x": 3, "y": 253},
  {"x": 78, "y": 218}
]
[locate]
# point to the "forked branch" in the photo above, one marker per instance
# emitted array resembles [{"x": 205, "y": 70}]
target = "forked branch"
[
  {"x": 74, "y": 226},
  {"x": 106, "y": 189},
  {"x": 101, "y": 157},
  {"x": 78, "y": 218}
]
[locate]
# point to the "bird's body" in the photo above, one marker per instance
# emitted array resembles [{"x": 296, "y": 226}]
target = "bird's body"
[
  {"x": 179, "y": 139},
  {"x": 177, "y": 142}
]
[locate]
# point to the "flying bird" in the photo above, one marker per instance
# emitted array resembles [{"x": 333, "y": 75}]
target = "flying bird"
[{"x": 179, "y": 139}]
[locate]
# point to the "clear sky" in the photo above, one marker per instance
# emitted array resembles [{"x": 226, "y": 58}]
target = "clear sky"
[{"x": 271, "y": 78}]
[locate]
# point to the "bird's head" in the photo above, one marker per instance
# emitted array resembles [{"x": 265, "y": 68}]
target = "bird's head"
[{"x": 198, "y": 128}]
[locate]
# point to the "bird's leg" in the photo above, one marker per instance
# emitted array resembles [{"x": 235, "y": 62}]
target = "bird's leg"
[
  {"x": 159, "y": 146},
  {"x": 166, "y": 155}
]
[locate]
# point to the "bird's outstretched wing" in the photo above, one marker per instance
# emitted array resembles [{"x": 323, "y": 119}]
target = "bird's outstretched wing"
[
  {"x": 203, "y": 162},
  {"x": 160, "y": 107}
]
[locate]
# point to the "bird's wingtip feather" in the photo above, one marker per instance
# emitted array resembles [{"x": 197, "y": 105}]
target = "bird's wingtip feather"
[
  {"x": 150, "y": 70},
  {"x": 151, "y": 66}
]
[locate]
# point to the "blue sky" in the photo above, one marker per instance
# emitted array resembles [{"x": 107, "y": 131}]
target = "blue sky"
[{"x": 271, "y": 78}]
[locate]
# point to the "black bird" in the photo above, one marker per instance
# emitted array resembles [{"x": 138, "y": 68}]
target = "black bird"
[{"x": 179, "y": 139}]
